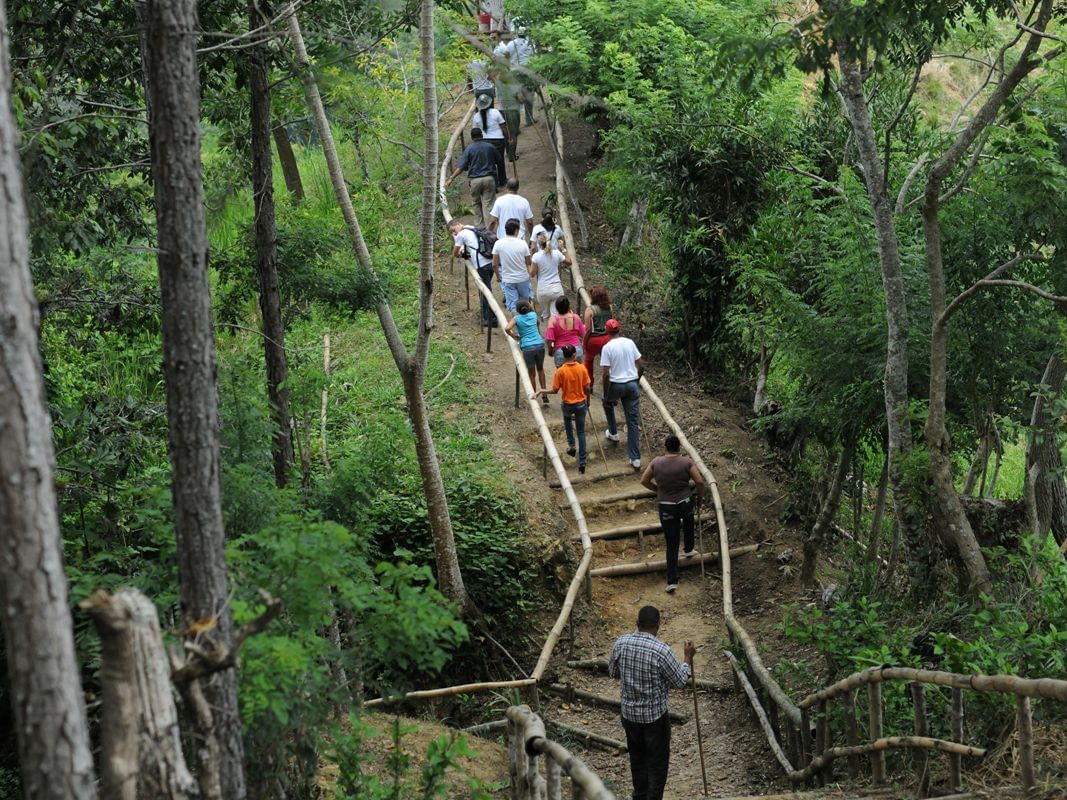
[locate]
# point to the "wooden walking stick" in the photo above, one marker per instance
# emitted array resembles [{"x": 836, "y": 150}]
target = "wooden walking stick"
[
  {"x": 696, "y": 716},
  {"x": 589, "y": 413}
]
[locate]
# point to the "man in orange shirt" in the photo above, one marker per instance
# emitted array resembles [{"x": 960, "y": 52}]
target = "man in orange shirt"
[{"x": 573, "y": 380}]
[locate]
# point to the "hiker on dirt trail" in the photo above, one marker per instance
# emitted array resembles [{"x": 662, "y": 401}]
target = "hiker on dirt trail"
[
  {"x": 648, "y": 669},
  {"x": 544, "y": 268},
  {"x": 597, "y": 315},
  {"x": 520, "y": 50},
  {"x": 511, "y": 263},
  {"x": 669, "y": 475},
  {"x": 565, "y": 328},
  {"x": 509, "y": 92},
  {"x": 511, "y": 205},
  {"x": 494, "y": 130},
  {"x": 525, "y": 328},
  {"x": 466, "y": 246},
  {"x": 480, "y": 160},
  {"x": 479, "y": 80},
  {"x": 573, "y": 380},
  {"x": 621, "y": 367},
  {"x": 548, "y": 226}
]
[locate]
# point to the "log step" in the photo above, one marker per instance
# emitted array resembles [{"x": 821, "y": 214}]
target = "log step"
[
  {"x": 594, "y": 477},
  {"x": 631, "y": 494},
  {"x": 655, "y": 566},
  {"x": 571, "y": 693},
  {"x": 634, "y": 528}
]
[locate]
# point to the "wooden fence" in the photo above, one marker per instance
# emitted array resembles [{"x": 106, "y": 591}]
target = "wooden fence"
[{"x": 528, "y": 746}]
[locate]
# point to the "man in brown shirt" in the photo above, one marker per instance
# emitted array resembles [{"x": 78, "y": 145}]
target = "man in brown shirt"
[{"x": 669, "y": 475}]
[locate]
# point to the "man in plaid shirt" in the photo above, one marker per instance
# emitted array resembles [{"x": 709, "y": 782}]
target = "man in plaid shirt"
[{"x": 648, "y": 669}]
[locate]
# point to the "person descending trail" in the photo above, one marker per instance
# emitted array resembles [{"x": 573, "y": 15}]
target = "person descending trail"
[
  {"x": 547, "y": 226},
  {"x": 466, "y": 246},
  {"x": 482, "y": 163},
  {"x": 597, "y": 315},
  {"x": 572, "y": 379},
  {"x": 510, "y": 93},
  {"x": 511, "y": 262},
  {"x": 621, "y": 366},
  {"x": 525, "y": 328},
  {"x": 565, "y": 328},
  {"x": 511, "y": 205},
  {"x": 648, "y": 669},
  {"x": 521, "y": 50},
  {"x": 668, "y": 476},
  {"x": 495, "y": 131},
  {"x": 545, "y": 270}
]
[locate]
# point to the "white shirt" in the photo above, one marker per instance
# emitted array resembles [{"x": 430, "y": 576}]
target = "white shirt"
[
  {"x": 548, "y": 262},
  {"x": 513, "y": 253},
  {"x": 554, "y": 237},
  {"x": 479, "y": 77},
  {"x": 512, "y": 206},
  {"x": 493, "y": 120},
  {"x": 467, "y": 238},
  {"x": 620, "y": 357},
  {"x": 520, "y": 49}
]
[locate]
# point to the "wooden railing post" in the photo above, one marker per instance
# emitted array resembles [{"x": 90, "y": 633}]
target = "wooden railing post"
[
  {"x": 955, "y": 760},
  {"x": 874, "y": 700},
  {"x": 1024, "y": 723},
  {"x": 553, "y": 782},
  {"x": 922, "y": 728},
  {"x": 852, "y": 737},
  {"x": 489, "y": 338},
  {"x": 516, "y": 384},
  {"x": 805, "y": 738},
  {"x": 822, "y": 735},
  {"x": 514, "y": 754},
  {"x": 466, "y": 285}
]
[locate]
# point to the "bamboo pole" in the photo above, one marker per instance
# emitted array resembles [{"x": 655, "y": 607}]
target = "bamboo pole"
[
  {"x": 700, "y": 738},
  {"x": 631, "y": 494},
  {"x": 852, "y": 737},
  {"x": 656, "y": 566},
  {"x": 881, "y": 745},
  {"x": 466, "y": 688},
  {"x": 590, "y": 477},
  {"x": 532, "y": 734},
  {"x": 955, "y": 761},
  {"x": 605, "y": 742},
  {"x": 632, "y": 529},
  {"x": 553, "y": 784},
  {"x": 1024, "y": 724},
  {"x": 485, "y": 728},
  {"x": 761, "y": 674},
  {"x": 601, "y": 665},
  {"x": 571, "y": 693},
  {"x": 772, "y": 741},
  {"x": 822, "y": 740},
  {"x": 874, "y": 700},
  {"x": 922, "y": 728}
]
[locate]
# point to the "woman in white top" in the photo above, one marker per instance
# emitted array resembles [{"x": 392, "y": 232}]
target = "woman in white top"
[
  {"x": 547, "y": 226},
  {"x": 495, "y": 131},
  {"x": 544, "y": 267}
]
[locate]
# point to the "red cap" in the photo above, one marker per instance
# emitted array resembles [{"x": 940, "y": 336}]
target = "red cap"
[{"x": 612, "y": 326}]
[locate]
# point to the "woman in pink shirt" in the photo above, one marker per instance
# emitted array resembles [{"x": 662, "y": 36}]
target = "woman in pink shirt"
[{"x": 565, "y": 328}]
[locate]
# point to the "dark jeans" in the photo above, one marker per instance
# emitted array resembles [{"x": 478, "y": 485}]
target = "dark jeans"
[
  {"x": 649, "y": 745},
  {"x": 501, "y": 146},
  {"x": 486, "y": 274},
  {"x": 575, "y": 412},
  {"x": 511, "y": 116},
  {"x": 676, "y": 518},
  {"x": 630, "y": 394}
]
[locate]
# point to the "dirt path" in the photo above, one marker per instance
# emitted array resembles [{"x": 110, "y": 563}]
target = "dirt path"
[{"x": 738, "y": 761}]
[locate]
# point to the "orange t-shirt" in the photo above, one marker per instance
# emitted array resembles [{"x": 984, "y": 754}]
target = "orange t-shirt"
[{"x": 572, "y": 378}]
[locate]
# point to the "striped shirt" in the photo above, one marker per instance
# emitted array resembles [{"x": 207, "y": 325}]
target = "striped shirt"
[{"x": 648, "y": 669}]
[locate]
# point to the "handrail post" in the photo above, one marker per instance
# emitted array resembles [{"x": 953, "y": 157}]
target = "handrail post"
[
  {"x": 922, "y": 728},
  {"x": 822, "y": 739},
  {"x": 955, "y": 760},
  {"x": 553, "y": 780},
  {"x": 514, "y": 749},
  {"x": 1024, "y": 723},
  {"x": 874, "y": 700},
  {"x": 489, "y": 338},
  {"x": 805, "y": 738},
  {"x": 852, "y": 738},
  {"x": 466, "y": 283},
  {"x": 516, "y": 387}
]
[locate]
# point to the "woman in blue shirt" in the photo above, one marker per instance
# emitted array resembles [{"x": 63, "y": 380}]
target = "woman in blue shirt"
[{"x": 525, "y": 328}]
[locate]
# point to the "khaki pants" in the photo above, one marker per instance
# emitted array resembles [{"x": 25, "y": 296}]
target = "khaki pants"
[{"x": 483, "y": 195}]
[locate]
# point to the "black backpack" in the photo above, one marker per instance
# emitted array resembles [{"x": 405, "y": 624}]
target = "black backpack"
[{"x": 486, "y": 240}]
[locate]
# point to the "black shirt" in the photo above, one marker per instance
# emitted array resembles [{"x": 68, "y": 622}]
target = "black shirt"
[{"x": 479, "y": 159}]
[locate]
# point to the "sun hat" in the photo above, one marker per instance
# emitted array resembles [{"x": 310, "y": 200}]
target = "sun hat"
[
  {"x": 484, "y": 101},
  {"x": 612, "y": 326}
]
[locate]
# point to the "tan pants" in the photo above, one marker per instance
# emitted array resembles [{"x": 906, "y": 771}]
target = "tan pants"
[{"x": 483, "y": 195}]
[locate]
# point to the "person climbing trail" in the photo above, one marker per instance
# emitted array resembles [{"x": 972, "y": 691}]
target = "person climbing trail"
[
  {"x": 548, "y": 226},
  {"x": 481, "y": 160},
  {"x": 525, "y": 328},
  {"x": 621, "y": 365},
  {"x": 511, "y": 205},
  {"x": 544, "y": 268},
  {"x": 495, "y": 131},
  {"x": 511, "y": 262},
  {"x": 565, "y": 328},
  {"x": 520, "y": 50},
  {"x": 465, "y": 245},
  {"x": 573, "y": 380},
  {"x": 597, "y": 315},
  {"x": 668, "y": 476},
  {"x": 647, "y": 669}
]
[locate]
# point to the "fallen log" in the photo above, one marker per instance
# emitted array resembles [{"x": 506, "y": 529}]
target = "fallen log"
[
  {"x": 604, "y": 742},
  {"x": 634, "y": 528},
  {"x": 486, "y": 728},
  {"x": 601, "y": 665},
  {"x": 657, "y": 566},
  {"x": 571, "y": 693}
]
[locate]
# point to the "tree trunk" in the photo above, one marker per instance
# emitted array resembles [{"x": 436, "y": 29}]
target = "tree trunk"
[
  {"x": 976, "y": 473},
  {"x": 899, "y": 439},
  {"x": 267, "y": 252},
  {"x": 879, "y": 514},
  {"x": 813, "y": 542},
  {"x": 140, "y": 743},
  {"x": 290, "y": 169},
  {"x": 46, "y": 695},
  {"x": 189, "y": 351},
  {"x": 412, "y": 368},
  {"x": 1047, "y": 495},
  {"x": 759, "y": 399}
]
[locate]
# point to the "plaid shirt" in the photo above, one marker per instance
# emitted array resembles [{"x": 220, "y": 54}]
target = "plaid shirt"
[{"x": 648, "y": 669}]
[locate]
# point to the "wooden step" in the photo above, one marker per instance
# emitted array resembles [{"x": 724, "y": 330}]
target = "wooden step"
[
  {"x": 652, "y": 525},
  {"x": 655, "y": 566}
]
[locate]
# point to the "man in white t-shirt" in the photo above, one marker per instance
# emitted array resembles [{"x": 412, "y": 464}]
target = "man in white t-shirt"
[
  {"x": 512, "y": 205},
  {"x": 511, "y": 262},
  {"x": 622, "y": 366},
  {"x": 466, "y": 246}
]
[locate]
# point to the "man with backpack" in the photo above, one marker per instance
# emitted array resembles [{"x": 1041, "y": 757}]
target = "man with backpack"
[
  {"x": 475, "y": 244},
  {"x": 481, "y": 160}
]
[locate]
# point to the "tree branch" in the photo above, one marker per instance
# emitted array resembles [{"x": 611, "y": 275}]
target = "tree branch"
[
  {"x": 1057, "y": 300},
  {"x": 967, "y": 293}
]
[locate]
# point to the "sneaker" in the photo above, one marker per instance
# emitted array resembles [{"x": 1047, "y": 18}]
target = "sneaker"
[
  {"x": 571, "y": 452},
  {"x": 545, "y": 400},
  {"x": 690, "y": 553},
  {"x": 581, "y": 469},
  {"x": 671, "y": 587},
  {"x": 635, "y": 463},
  {"x": 611, "y": 437}
]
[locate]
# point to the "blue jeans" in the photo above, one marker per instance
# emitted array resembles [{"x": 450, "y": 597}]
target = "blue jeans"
[
  {"x": 630, "y": 395},
  {"x": 575, "y": 412},
  {"x": 649, "y": 746},
  {"x": 486, "y": 274},
  {"x": 676, "y": 519},
  {"x": 513, "y": 291},
  {"x": 558, "y": 355}
]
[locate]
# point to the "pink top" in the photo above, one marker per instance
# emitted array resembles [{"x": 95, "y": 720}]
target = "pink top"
[{"x": 565, "y": 330}]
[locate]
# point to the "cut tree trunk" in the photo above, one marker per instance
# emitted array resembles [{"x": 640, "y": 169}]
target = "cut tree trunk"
[
  {"x": 270, "y": 303},
  {"x": 1046, "y": 493},
  {"x": 189, "y": 351},
  {"x": 287, "y": 158},
  {"x": 813, "y": 542},
  {"x": 43, "y": 676}
]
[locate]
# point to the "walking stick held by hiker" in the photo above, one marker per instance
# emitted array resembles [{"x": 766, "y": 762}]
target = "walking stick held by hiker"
[{"x": 696, "y": 716}]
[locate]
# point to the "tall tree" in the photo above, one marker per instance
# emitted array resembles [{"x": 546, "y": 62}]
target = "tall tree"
[
  {"x": 412, "y": 366},
  {"x": 267, "y": 245},
  {"x": 1046, "y": 493},
  {"x": 53, "y": 739},
  {"x": 173, "y": 89}
]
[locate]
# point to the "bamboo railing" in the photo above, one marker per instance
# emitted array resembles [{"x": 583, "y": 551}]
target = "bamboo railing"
[{"x": 528, "y": 744}]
